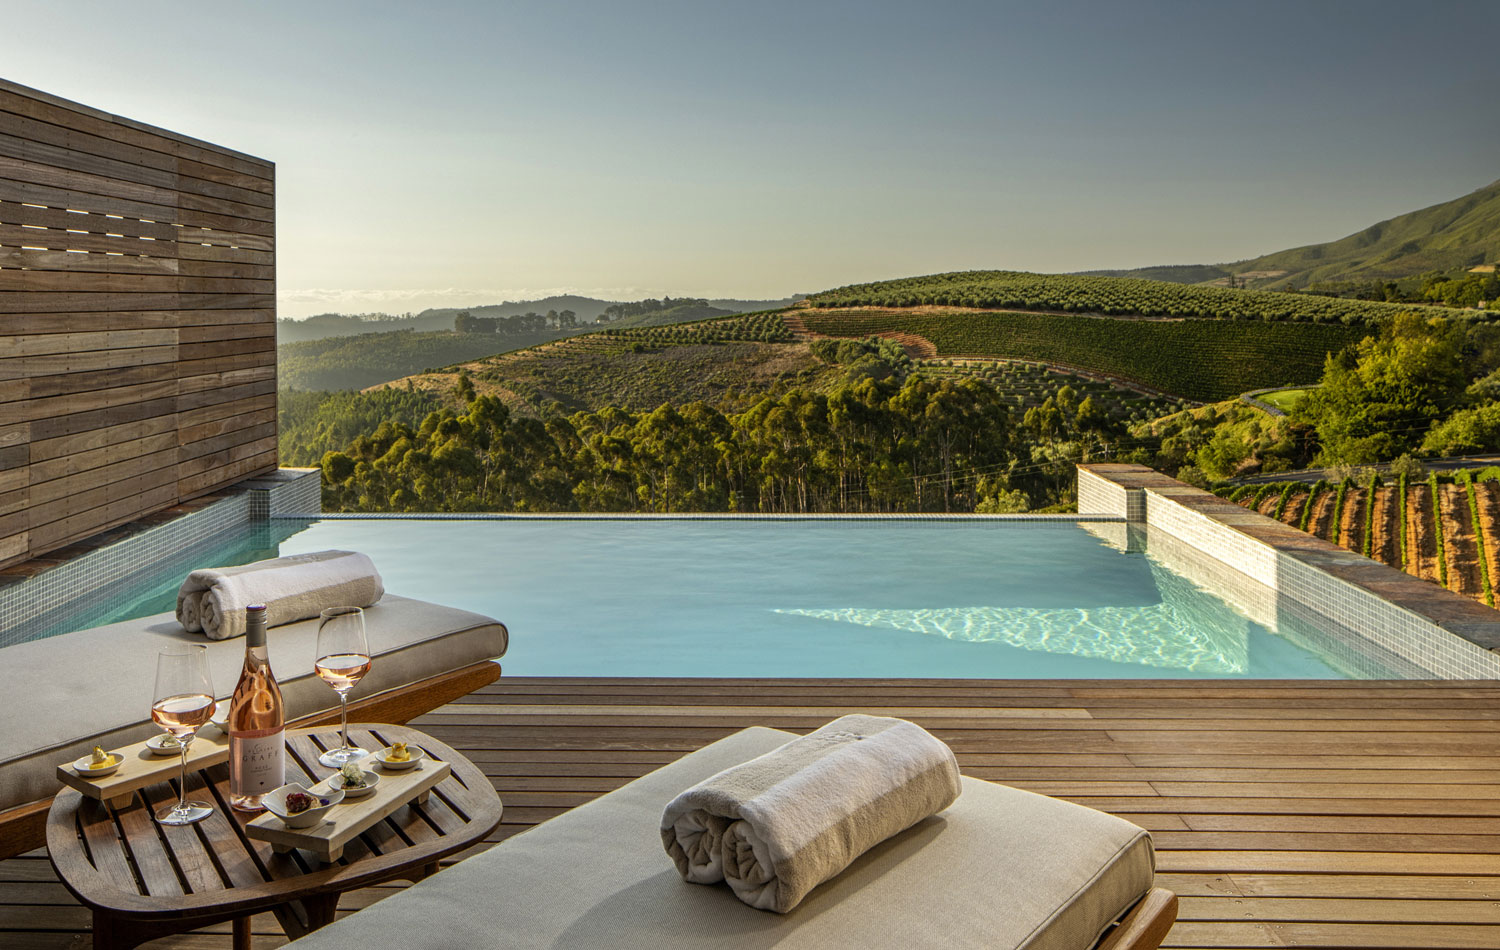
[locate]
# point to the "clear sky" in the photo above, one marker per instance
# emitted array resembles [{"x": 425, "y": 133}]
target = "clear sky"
[{"x": 444, "y": 153}]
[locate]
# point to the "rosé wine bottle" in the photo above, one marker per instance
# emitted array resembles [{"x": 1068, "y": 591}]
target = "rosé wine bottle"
[{"x": 257, "y": 723}]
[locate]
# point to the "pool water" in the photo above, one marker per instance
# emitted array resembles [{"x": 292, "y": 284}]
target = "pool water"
[{"x": 818, "y": 598}]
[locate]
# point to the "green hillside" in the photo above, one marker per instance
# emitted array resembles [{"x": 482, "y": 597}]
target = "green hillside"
[
  {"x": 1452, "y": 235},
  {"x": 1112, "y": 296},
  {"x": 736, "y": 361}
]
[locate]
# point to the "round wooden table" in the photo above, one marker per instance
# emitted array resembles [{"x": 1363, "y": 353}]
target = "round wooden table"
[{"x": 144, "y": 880}]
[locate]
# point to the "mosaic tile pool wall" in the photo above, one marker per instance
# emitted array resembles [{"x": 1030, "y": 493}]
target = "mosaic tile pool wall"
[{"x": 75, "y": 585}]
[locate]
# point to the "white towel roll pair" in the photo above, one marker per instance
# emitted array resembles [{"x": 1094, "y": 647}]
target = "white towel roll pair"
[{"x": 781, "y": 824}]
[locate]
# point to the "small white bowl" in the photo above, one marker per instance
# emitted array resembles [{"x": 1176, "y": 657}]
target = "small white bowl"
[
  {"x": 220, "y": 718},
  {"x": 158, "y": 745},
  {"x": 336, "y": 783},
  {"x": 87, "y": 770},
  {"x": 417, "y": 755},
  {"x": 275, "y": 802}
]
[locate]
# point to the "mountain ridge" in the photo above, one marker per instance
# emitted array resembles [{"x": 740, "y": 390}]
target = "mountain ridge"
[{"x": 1457, "y": 234}]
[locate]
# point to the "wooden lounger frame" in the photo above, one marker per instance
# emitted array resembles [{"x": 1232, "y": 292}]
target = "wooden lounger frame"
[
  {"x": 24, "y": 827},
  {"x": 1146, "y": 924}
]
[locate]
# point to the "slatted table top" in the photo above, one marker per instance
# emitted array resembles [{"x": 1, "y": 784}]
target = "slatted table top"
[{"x": 121, "y": 861}]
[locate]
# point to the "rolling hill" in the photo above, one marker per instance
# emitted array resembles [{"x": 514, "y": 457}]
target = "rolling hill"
[
  {"x": 326, "y": 325},
  {"x": 355, "y": 362},
  {"x": 1139, "y": 339},
  {"x": 1454, "y": 235},
  {"x": 1106, "y": 296}
]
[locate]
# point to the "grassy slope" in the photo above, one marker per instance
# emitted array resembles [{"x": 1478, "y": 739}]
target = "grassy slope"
[
  {"x": 1458, "y": 233},
  {"x": 1284, "y": 399}
]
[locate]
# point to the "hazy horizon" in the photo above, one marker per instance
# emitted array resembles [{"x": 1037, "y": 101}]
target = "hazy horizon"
[{"x": 459, "y": 154}]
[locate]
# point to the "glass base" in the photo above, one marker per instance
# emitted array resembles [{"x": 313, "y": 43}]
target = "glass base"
[
  {"x": 184, "y": 814},
  {"x": 338, "y": 758}
]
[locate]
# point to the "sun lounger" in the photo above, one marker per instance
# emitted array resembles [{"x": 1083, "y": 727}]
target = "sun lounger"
[{"x": 1000, "y": 869}]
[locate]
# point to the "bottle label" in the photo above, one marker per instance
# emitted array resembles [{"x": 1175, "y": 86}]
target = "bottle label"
[{"x": 258, "y": 765}]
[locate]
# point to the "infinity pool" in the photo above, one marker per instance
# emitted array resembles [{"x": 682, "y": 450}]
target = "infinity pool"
[{"x": 825, "y": 598}]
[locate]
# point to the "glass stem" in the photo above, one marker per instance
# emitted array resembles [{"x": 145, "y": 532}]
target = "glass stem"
[
  {"x": 344, "y": 718},
  {"x": 182, "y": 779}
]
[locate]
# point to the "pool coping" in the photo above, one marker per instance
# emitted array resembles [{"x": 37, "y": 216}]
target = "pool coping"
[
  {"x": 1021, "y": 518},
  {"x": 1447, "y": 633}
]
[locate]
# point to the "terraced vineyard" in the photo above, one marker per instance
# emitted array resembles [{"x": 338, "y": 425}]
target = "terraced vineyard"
[
  {"x": 736, "y": 358},
  {"x": 1445, "y": 530},
  {"x": 748, "y": 328},
  {"x": 1113, "y": 296},
  {"x": 1203, "y": 360},
  {"x": 1025, "y": 384}
]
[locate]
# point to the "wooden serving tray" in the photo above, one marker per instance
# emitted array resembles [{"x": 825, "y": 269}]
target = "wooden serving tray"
[
  {"x": 346, "y": 820},
  {"x": 143, "y": 767}
]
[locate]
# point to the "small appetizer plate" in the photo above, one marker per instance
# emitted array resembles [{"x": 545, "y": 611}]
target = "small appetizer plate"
[
  {"x": 84, "y": 767},
  {"x": 336, "y": 782},
  {"x": 275, "y": 802},
  {"x": 417, "y": 755},
  {"x": 220, "y": 718},
  {"x": 164, "y": 744}
]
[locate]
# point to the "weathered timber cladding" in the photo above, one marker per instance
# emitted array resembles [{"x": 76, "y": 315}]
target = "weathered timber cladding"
[{"x": 137, "y": 320}]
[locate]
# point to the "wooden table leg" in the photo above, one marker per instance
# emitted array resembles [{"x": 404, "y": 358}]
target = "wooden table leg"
[
  {"x": 117, "y": 933},
  {"x": 243, "y": 938},
  {"x": 321, "y": 910},
  {"x": 105, "y": 935}
]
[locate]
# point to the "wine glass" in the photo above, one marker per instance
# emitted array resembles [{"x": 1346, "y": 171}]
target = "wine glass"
[
  {"x": 183, "y": 701},
  {"x": 343, "y": 659}
]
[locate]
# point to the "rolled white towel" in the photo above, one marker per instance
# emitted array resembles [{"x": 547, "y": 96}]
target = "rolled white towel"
[
  {"x": 781, "y": 824},
  {"x": 188, "y": 606},
  {"x": 213, "y": 600}
]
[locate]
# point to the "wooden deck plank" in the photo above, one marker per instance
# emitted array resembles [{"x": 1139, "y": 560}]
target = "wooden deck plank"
[{"x": 1337, "y": 815}]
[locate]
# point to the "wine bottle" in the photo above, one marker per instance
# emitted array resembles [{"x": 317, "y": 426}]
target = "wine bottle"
[{"x": 257, "y": 723}]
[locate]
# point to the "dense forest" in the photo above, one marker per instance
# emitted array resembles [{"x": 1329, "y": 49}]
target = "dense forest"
[{"x": 887, "y": 444}]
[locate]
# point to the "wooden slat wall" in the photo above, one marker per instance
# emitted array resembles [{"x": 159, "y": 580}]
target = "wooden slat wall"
[{"x": 137, "y": 320}]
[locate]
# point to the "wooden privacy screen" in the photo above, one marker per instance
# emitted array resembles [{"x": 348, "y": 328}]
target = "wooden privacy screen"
[{"x": 137, "y": 320}]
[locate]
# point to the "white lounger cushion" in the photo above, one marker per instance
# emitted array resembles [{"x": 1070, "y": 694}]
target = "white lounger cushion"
[
  {"x": 1000, "y": 869},
  {"x": 61, "y": 696}
]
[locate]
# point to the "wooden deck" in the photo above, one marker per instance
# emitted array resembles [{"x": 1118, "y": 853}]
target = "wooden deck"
[{"x": 1285, "y": 814}]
